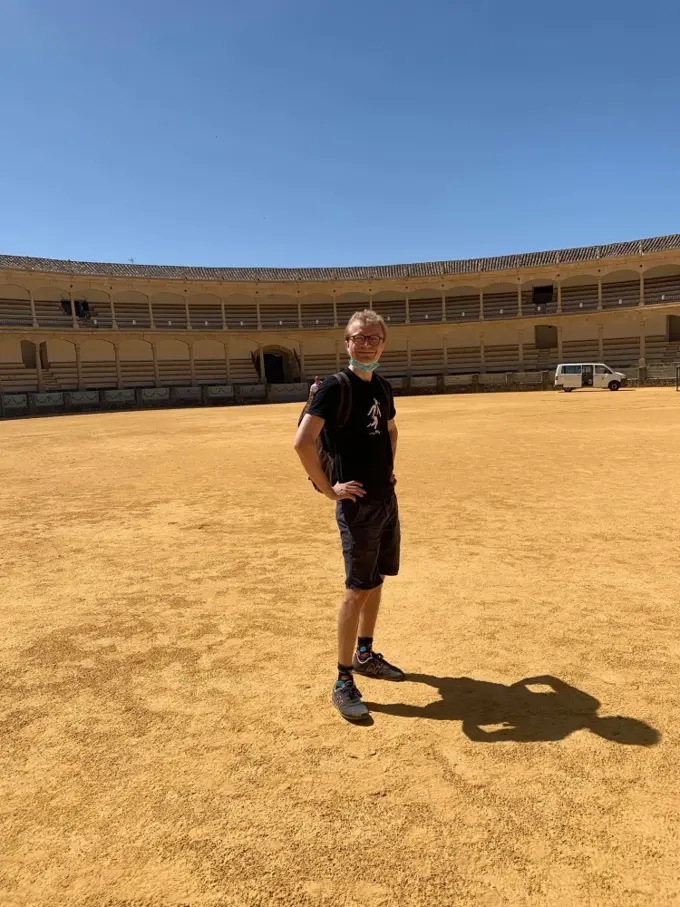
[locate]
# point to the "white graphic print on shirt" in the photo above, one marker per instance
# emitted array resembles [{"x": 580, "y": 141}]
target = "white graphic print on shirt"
[{"x": 373, "y": 416}]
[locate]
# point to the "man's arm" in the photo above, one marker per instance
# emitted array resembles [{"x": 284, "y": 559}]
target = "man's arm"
[
  {"x": 305, "y": 447},
  {"x": 394, "y": 434}
]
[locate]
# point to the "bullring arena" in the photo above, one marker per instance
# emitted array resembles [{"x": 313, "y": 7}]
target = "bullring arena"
[{"x": 170, "y": 584}]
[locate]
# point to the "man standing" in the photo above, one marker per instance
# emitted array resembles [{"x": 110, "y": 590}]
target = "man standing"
[
  {"x": 314, "y": 388},
  {"x": 366, "y": 504}
]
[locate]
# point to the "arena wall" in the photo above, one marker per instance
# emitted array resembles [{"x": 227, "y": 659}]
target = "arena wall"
[{"x": 69, "y": 326}]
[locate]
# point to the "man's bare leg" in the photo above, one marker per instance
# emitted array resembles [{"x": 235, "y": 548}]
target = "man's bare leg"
[
  {"x": 369, "y": 613},
  {"x": 348, "y": 623}
]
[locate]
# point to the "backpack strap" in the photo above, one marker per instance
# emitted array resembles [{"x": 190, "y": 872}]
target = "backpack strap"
[{"x": 345, "y": 407}]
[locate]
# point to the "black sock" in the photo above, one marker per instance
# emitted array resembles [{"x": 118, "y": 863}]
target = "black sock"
[
  {"x": 365, "y": 645},
  {"x": 344, "y": 672}
]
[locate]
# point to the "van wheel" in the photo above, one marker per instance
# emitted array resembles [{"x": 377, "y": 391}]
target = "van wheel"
[
  {"x": 614, "y": 385},
  {"x": 567, "y": 390}
]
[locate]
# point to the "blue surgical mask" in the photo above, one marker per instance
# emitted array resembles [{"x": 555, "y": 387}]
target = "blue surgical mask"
[{"x": 364, "y": 366}]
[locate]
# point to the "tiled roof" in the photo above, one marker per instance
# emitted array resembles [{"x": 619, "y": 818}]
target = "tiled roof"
[{"x": 378, "y": 272}]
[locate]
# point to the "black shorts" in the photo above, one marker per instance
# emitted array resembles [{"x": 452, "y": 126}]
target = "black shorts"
[{"x": 371, "y": 540}]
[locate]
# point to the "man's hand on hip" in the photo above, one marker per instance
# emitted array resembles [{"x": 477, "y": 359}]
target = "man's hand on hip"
[{"x": 347, "y": 491}]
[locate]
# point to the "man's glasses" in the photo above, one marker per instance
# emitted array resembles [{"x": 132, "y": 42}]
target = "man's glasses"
[{"x": 366, "y": 339}]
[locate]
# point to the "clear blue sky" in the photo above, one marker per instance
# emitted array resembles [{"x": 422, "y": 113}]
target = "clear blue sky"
[{"x": 310, "y": 132}]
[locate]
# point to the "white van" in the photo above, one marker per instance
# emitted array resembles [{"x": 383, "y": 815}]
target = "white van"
[{"x": 588, "y": 374}]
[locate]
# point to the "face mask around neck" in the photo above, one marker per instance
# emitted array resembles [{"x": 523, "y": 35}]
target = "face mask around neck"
[{"x": 364, "y": 366}]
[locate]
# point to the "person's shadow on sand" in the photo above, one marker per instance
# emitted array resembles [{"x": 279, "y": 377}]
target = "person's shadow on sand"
[{"x": 493, "y": 712}]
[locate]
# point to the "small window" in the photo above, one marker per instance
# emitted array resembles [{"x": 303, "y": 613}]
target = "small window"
[
  {"x": 571, "y": 369},
  {"x": 602, "y": 370}
]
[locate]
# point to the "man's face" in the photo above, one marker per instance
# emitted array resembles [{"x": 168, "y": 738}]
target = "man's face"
[{"x": 366, "y": 341}]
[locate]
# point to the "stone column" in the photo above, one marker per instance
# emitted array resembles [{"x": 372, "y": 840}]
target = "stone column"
[
  {"x": 299, "y": 313},
  {"x": 186, "y": 313},
  {"x": 257, "y": 310},
  {"x": 559, "y": 298},
  {"x": 224, "y": 315},
  {"x": 643, "y": 341},
  {"x": 520, "y": 350},
  {"x": 443, "y": 306},
  {"x": 445, "y": 345},
  {"x": 482, "y": 360},
  {"x": 408, "y": 356},
  {"x": 370, "y": 299},
  {"x": 226, "y": 360},
  {"x": 156, "y": 371},
  {"x": 119, "y": 373},
  {"x": 408, "y": 311},
  {"x": 481, "y": 305},
  {"x": 34, "y": 317},
  {"x": 600, "y": 342},
  {"x": 192, "y": 364},
  {"x": 38, "y": 367},
  {"x": 335, "y": 312},
  {"x": 519, "y": 302},
  {"x": 114, "y": 323},
  {"x": 151, "y": 321},
  {"x": 263, "y": 376},
  {"x": 74, "y": 320},
  {"x": 599, "y": 294},
  {"x": 642, "y": 289},
  {"x": 79, "y": 367}
]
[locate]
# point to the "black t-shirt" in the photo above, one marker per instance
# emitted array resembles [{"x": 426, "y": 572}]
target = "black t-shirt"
[{"x": 362, "y": 445}]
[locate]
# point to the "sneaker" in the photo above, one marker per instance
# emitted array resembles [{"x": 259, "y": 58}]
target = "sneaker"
[
  {"x": 374, "y": 665},
  {"x": 347, "y": 700}
]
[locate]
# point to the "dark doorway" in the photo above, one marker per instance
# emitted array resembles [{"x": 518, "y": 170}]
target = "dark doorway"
[
  {"x": 28, "y": 354},
  {"x": 545, "y": 337},
  {"x": 673, "y": 328},
  {"x": 274, "y": 368}
]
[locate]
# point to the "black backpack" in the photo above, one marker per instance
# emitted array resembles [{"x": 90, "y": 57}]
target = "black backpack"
[{"x": 324, "y": 444}]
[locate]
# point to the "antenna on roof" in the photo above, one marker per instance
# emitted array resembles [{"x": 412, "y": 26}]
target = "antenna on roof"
[{"x": 131, "y": 260}]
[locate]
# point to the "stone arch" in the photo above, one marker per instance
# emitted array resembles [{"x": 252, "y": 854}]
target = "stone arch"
[
  {"x": 278, "y": 310},
  {"x": 98, "y": 363},
  {"x": 131, "y": 308},
  {"x": 135, "y": 349},
  {"x": 14, "y": 291},
  {"x": 205, "y": 311},
  {"x": 662, "y": 284},
  {"x": 172, "y": 348},
  {"x": 391, "y": 304},
  {"x": 15, "y": 305},
  {"x": 136, "y": 362},
  {"x": 240, "y": 311},
  {"x": 349, "y": 303},
  {"x": 173, "y": 358},
  {"x": 96, "y": 307},
  {"x": 462, "y": 303},
  {"x": 281, "y": 364},
  {"x": 620, "y": 288},
  {"x": 317, "y": 310},
  {"x": 10, "y": 348},
  {"x": 51, "y": 293},
  {"x": 168, "y": 310},
  {"x": 58, "y": 361},
  {"x": 579, "y": 293}
]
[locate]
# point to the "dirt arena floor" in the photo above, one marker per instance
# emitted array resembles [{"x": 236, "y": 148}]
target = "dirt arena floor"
[{"x": 169, "y": 589}]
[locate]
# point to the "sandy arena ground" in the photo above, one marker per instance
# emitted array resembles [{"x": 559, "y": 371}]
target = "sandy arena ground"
[{"x": 169, "y": 589}]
